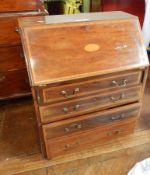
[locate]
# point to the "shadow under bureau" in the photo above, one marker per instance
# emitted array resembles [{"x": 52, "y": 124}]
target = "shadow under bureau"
[{"x": 87, "y": 73}]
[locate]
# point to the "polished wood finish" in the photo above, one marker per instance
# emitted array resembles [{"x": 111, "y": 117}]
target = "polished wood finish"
[
  {"x": 9, "y": 31},
  {"x": 14, "y": 83},
  {"x": 112, "y": 78},
  {"x": 96, "y": 35},
  {"x": 11, "y": 58},
  {"x": 20, "y": 152},
  {"x": 59, "y": 92},
  {"x": 59, "y": 111},
  {"x": 90, "y": 121},
  {"x": 9, "y": 34},
  {"x": 21, "y": 5},
  {"x": 12, "y": 63},
  {"x": 99, "y": 135}
]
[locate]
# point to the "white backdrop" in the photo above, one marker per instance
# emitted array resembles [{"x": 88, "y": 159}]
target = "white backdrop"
[
  {"x": 146, "y": 24},
  {"x": 141, "y": 168}
]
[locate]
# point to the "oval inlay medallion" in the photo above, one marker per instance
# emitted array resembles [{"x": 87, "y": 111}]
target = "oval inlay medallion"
[{"x": 92, "y": 47}]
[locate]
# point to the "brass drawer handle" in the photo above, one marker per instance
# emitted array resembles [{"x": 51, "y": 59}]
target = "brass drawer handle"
[
  {"x": 114, "y": 99},
  {"x": 2, "y": 77},
  {"x": 67, "y": 146},
  {"x": 66, "y": 109},
  {"x": 121, "y": 116},
  {"x": 124, "y": 83},
  {"x": 115, "y": 132},
  {"x": 76, "y": 90},
  {"x": 64, "y": 93},
  {"x": 73, "y": 126},
  {"x": 17, "y": 29},
  {"x": 76, "y": 107}
]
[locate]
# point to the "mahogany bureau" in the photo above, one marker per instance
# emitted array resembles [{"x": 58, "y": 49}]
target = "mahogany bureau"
[
  {"x": 87, "y": 73},
  {"x": 13, "y": 74}
]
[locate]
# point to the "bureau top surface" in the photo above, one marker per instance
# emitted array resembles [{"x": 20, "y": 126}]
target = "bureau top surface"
[{"x": 60, "y": 48}]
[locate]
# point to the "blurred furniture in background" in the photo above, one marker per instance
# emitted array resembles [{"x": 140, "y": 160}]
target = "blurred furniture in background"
[
  {"x": 86, "y": 6},
  {"x": 72, "y": 6},
  {"x": 67, "y": 6},
  {"x": 95, "y": 5},
  {"x": 13, "y": 75},
  {"x": 53, "y": 7},
  {"x": 135, "y": 7}
]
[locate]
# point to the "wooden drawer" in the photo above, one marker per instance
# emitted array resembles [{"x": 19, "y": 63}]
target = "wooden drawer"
[
  {"x": 18, "y": 5},
  {"x": 11, "y": 58},
  {"x": 90, "y": 121},
  {"x": 14, "y": 83},
  {"x": 96, "y": 102},
  {"x": 9, "y": 31},
  {"x": 75, "y": 89},
  {"x": 88, "y": 139}
]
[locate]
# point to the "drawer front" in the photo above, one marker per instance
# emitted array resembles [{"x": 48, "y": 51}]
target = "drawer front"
[
  {"x": 14, "y": 84},
  {"x": 89, "y": 139},
  {"x": 11, "y": 58},
  {"x": 17, "y": 5},
  {"x": 73, "y": 90},
  {"x": 90, "y": 121},
  {"x": 50, "y": 113},
  {"x": 9, "y": 31}
]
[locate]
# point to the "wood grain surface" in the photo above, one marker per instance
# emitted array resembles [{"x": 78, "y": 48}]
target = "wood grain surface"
[
  {"x": 11, "y": 58},
  {"x": 90, "y": 121},
  {"x": 119, "y": 41},
  {"x": 19, "y": 5},
  {"x": 13, "y": 75},
  {"x": 14, "y": 84},
  {"x": 70, "y": 90},
  {"x": 92, "y": 103},
  {"x": 16, "y": 157}
]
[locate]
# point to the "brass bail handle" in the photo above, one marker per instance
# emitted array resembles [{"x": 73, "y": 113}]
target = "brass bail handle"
[
  {"x": 73, "y": 126},
  {"x": 75, "y": 108},
  {"x": 64, "y": 93},
  {"x": 124, "y": 83},
  {"x": 117, "y": 117},
  {"x": 115, "y": 99},
  {"x": 114, "y": 132},
  {"x": 17, "y": 29}
]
